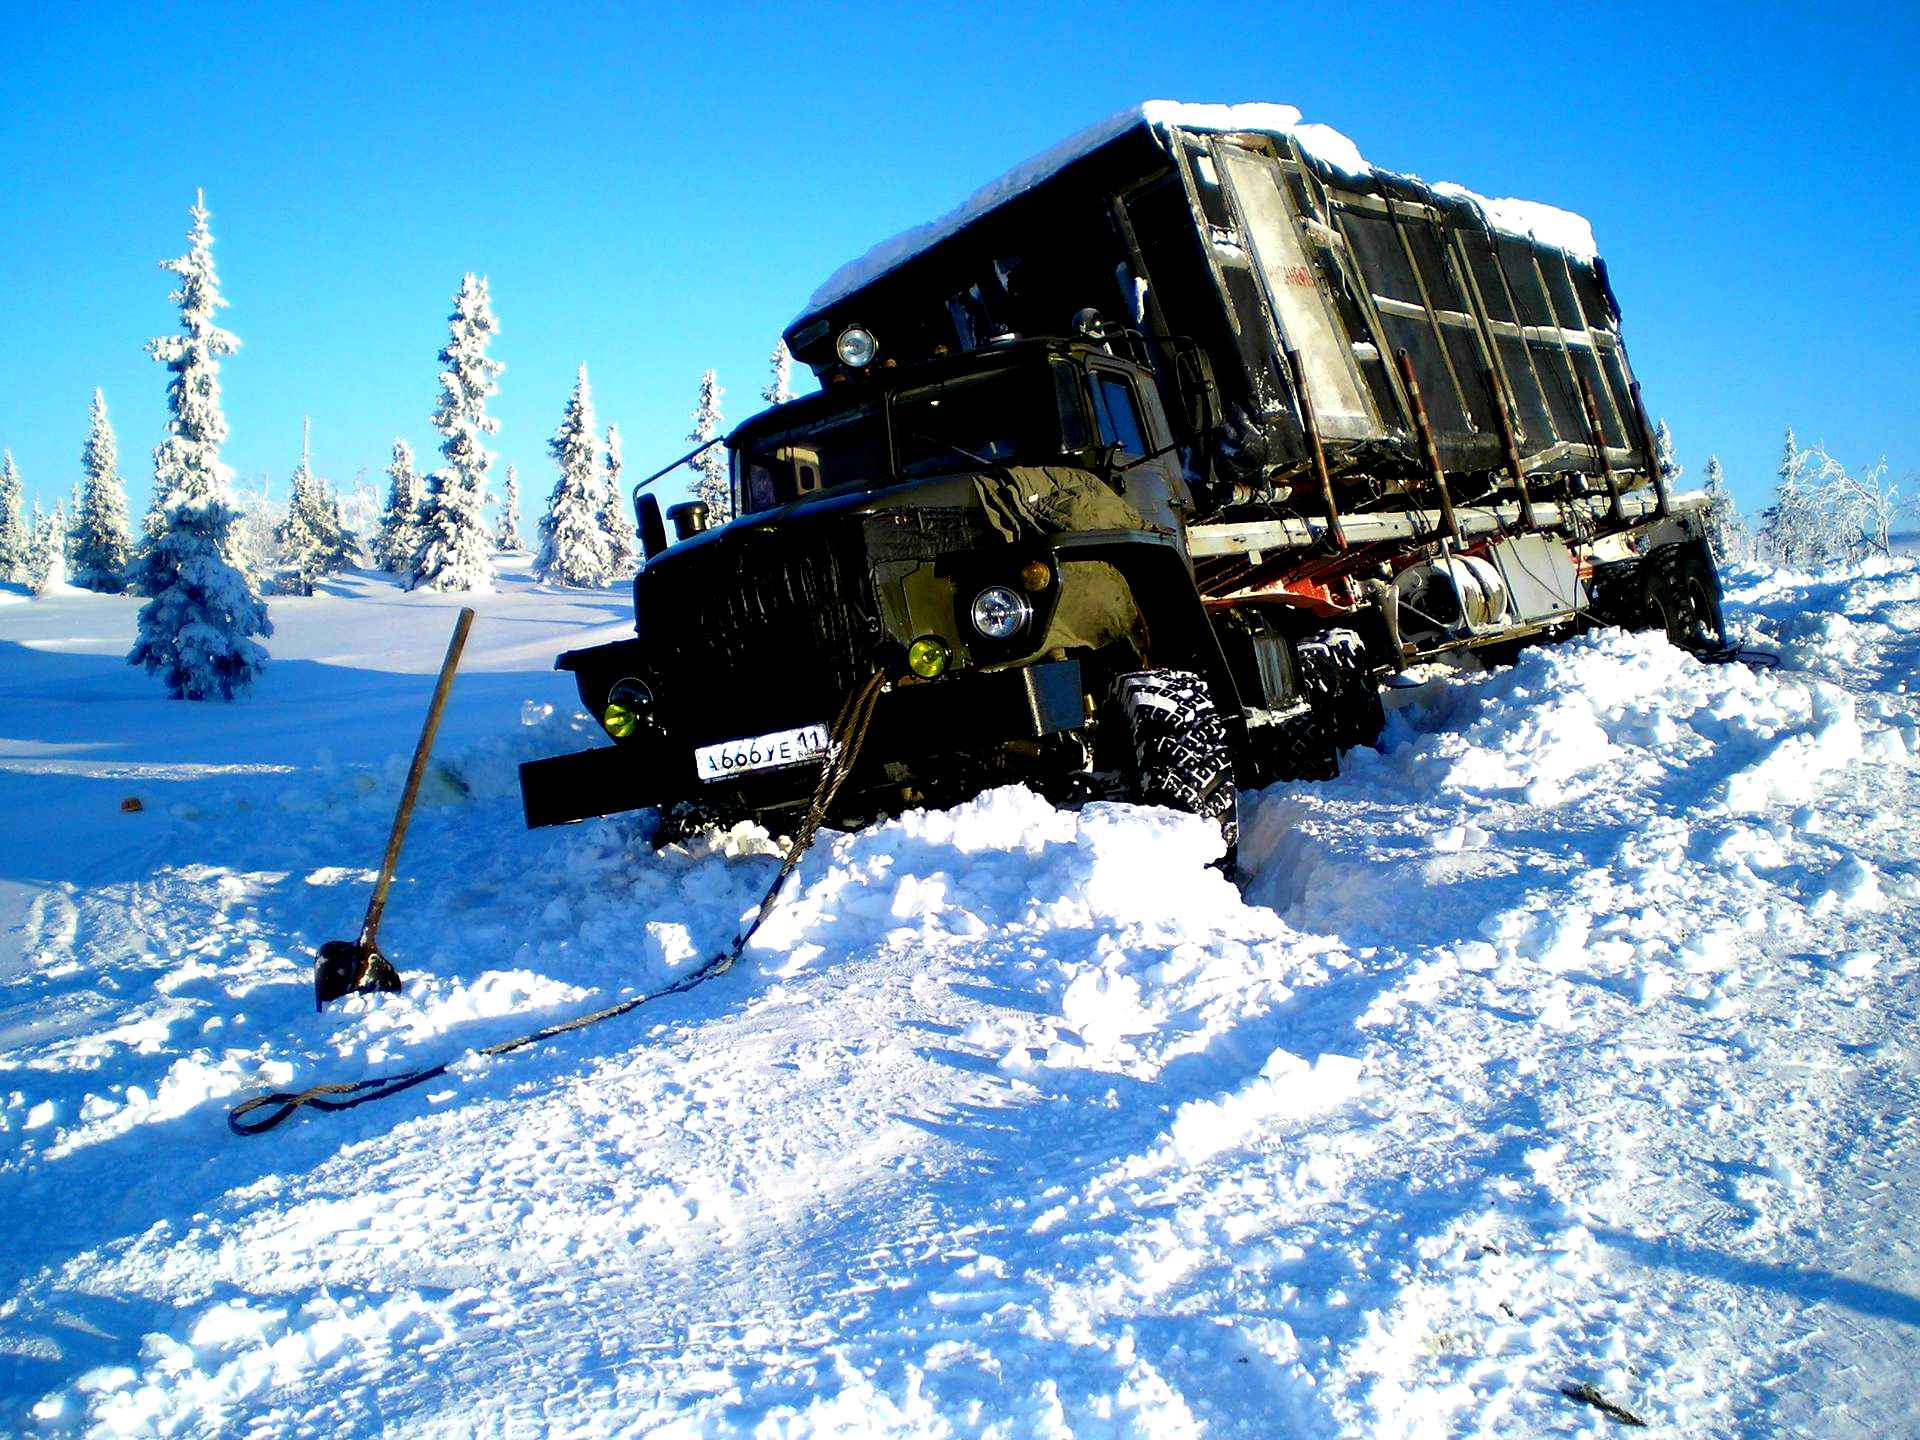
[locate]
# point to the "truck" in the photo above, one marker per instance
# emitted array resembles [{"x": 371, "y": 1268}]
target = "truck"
[{"x": 1136, "y": 477}]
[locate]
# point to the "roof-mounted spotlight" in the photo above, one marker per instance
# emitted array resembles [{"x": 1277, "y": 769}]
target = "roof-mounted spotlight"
[{"x": 856, "y": 347}]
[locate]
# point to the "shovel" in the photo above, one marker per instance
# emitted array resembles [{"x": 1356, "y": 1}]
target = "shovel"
[{"x": 347, "y": 967}]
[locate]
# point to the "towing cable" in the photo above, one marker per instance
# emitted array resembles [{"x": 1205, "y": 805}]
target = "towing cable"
[{"x": 843, "y": 753}]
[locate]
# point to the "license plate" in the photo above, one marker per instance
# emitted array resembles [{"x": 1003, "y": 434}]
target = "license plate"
[{"x": 761, "y": 752}]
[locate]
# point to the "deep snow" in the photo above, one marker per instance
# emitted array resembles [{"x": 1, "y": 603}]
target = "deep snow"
[{"x": 1568, "y": 1039}]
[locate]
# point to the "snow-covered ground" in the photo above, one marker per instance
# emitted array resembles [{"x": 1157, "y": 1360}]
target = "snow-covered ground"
[{"x": 1568, "y": 1040}]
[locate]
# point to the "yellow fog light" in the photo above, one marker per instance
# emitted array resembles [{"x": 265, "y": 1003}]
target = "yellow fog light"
[
  {"x": 927, "y": 657},
  {"x": 627, "y": 705},
  {"x": 1035, "y": 576}
]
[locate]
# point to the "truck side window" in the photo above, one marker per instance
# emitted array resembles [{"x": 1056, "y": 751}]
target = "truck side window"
[{"x": 1117, "y": 414}]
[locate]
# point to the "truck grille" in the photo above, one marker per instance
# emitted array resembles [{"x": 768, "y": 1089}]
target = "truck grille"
[{"x": 750, "y": 631}]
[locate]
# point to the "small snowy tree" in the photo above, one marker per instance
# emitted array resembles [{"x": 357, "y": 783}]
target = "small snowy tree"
[
  {"x": 40, "y": 548},
  {"x": 197, "y": 626},
  {"x": 1670, "y": 468},
  {"x": 50, "y": 558},
  {"x": 1859, "y": 509},
  {"x": 623, "y": 544},
  {"x": 710, "y": 481},
  {"x": 313, "y": 542},
  {"x": 1791, "y": 528},
  {"x": 507, "y": 536},
  {"x": 1726, "y": 531},
  {"x": 456, "y": 550},
  {"x": 780, "y": 388},
  {"x": 573, "y": 537},
  {"x": 397, "y": 541}
]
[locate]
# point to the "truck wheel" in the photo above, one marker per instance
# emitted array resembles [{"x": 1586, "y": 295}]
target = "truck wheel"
[
  {"x": 1338, "y": 680},
  {"x": 1181, "y": 756},
  {"x": 1680, "y": 594}
]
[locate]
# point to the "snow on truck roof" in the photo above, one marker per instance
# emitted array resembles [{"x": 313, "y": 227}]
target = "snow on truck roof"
[{"x": 1547, "y": 224}]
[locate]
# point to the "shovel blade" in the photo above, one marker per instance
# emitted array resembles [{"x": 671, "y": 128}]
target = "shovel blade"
[{"x": 350, "y": 967}]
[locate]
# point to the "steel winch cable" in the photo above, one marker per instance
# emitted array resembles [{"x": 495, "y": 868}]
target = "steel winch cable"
[{"x": 843, "y": 753}]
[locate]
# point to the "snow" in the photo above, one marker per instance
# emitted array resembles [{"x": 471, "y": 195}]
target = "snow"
[
  {"x": 1565, "y": 1040},
  {"x": 1545, "y": 223}
]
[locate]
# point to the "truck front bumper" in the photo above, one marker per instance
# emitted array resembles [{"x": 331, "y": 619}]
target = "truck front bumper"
[{"x": 969, "y": 712}]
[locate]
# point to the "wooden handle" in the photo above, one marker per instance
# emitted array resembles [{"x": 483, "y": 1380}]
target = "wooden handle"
[{"x": 414, "y": 775}]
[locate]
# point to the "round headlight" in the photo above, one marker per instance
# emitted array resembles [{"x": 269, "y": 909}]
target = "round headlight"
[
  {"x": 856, "y": 346},
  {"x": 998, "y": 613},
  {"x": 927, "y": 657}
]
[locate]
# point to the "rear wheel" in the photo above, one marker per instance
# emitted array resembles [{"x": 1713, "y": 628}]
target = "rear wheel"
[
  {"x": 1680, "y": 594},
  {"x": 1180, "y": 757}
]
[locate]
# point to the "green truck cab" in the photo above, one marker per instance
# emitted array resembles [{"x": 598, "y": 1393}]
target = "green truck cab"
[{"x": 1001, "y": 534}]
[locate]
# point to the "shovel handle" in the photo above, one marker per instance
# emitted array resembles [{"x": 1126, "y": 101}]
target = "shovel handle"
[{"x": 421, "y": 751}]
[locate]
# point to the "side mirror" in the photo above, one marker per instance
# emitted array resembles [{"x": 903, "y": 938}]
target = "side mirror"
[
  {"x": 653, "y": 531},
  {"x": 1199, "y": 396}
]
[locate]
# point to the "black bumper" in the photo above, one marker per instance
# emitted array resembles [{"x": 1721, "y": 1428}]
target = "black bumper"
[{"x": 969, "y": 712}]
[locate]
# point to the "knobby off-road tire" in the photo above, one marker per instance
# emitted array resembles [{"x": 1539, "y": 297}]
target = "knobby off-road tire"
[
  {"x": 1180, "y": 753},
  {"x": 1680, "y": 594},
  {"x": 1337, "y": 677}
]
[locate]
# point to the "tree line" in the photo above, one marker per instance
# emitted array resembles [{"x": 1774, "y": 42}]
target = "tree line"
[{"x": 202, "y": 562}]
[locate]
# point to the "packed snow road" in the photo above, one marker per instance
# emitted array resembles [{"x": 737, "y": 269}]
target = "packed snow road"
[{"x": 1566, "y": 1043}]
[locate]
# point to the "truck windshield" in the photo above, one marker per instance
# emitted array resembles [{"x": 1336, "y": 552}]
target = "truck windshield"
[{"x": 1010, "y": 416}]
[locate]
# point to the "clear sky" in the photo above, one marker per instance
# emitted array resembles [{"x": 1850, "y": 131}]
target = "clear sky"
[{"x": 655, "y": 191}]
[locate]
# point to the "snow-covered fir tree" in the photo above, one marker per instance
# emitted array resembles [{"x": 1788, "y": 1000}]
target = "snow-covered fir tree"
[
  {"x": 1726, "y": 531},
  {"x": 313, "y": 542},
  {"x": 780, "y": 388},
  {"x": 197, "y": 627},
  {"x": 102, "y": 544},
  {"x": 710, "y": 480},
  {"x": 507, "y": 534},
  {"x": 623, "y": 542},
  {"x": 456, "y": 549},
  {"x": 573, "y": 536},
  {"x": 15, "y": 537},
  {"x": 397, "y": 542}
]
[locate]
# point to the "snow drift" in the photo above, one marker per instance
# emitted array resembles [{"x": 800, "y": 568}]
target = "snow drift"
[{"x": 1565, "y": 1040}]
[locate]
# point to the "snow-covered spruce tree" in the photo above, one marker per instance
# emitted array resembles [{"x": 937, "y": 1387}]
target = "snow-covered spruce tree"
[
  {"x": 780, "y": 388},
  {"x": 313, "y": 542},
  {"x": 197, "y": 626},
  {"x": 506, "y": 534},
  {"x": 397, "y": 542},
  {"x": 456, "y": 550},
  {"x": 573, "y": 537},
  {"x": 710, "y": 482},
  {"x": 15, "y": 537},
  {"x": 623, "y": 543},
  {"x": 1726, "y": 531}
]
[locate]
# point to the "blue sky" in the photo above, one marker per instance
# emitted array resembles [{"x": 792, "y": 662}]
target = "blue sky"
[{"x": 658, "y": 191}]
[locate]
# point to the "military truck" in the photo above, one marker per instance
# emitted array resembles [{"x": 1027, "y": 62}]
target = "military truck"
[{"x": 1136, "y": 476}]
